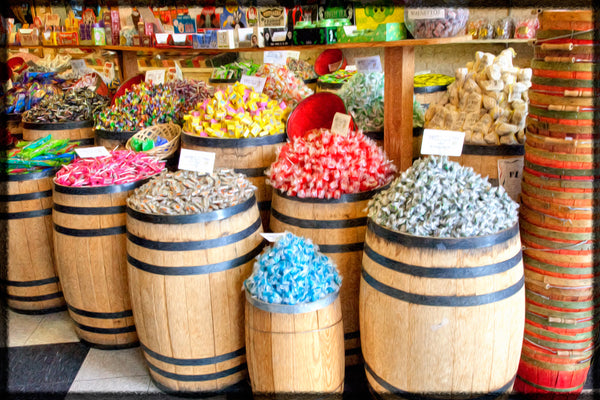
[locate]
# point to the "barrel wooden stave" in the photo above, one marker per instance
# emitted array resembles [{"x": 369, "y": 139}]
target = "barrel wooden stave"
[
  {"x": 93, "y": 268},
  {"x": 32, "y": 283},
  {"x": 184, "y": 321},
  {"x": 443, "y": 353},
  {"x": 295, "y": 353}
]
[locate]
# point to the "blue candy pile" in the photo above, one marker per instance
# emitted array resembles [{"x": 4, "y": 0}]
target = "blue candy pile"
[{"x": 292, "y": 271}]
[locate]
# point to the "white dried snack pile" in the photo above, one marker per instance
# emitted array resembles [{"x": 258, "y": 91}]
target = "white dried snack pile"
[{"x": 488, "y": 101}]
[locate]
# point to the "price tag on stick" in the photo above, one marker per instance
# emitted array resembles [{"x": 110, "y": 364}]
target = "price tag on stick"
[
  {"x": 272, "y": 237},
  {"x": 156, "y": 76},
  {"x": 256, "y": 82},
  {"x": 200, "y": 161},
  {"x": 439, "y": 142},
  {"x": 341, "y": 124}
]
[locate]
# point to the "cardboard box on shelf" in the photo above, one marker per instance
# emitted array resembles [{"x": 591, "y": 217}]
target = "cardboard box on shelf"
[
  {"x": 272, "y": 16},
  {"x": 281, "y": 36},
  {"x": 233, "y": 16},
  {"x": 249, "y": 37},
  {"x": 369, "y": 17},
  {"x": 208, "y": 18},
  {"x": 321, "y": 35},
  {"x": 225, "y": 39},
  {"x": 384, "y": 33}
]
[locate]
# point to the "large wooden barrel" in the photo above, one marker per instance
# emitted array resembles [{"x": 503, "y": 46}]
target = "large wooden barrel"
[
  {"x": 484, "y": 159},
  {"x": 249, "y": 156},
  {"x": 80, "y": 131},
  {"x": 441, "y": 315},
  {"x": 91, "y": 258},
  {"x": 338, "y": 227},
  {"x": 185, "y": 278},
  {"x": 295, "y": 348},
  {"x": 14, "y": 125},
  {"x": 112, "y": 140},
  {"x": 30, "y": 278}
]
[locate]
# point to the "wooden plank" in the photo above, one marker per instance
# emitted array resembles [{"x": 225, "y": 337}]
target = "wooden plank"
[{"x": 399, "y": 70}]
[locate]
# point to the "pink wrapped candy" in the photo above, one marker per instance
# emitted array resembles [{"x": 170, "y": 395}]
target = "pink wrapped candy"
[
  {"x": 121, "y": 166},
  {"x": 325, "y": 165}
]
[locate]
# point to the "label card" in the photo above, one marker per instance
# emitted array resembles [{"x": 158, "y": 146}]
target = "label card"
[
  {"x": 439, "y": 142},
  {"x": 92, "y": 152},
  {"x": 368, "y": 64},
  {"x": 510, "y": 173},
  {"x": 341, "y": 124},
  {"x": 155, "y": 76},
  {"x": 199, "y": 161},
  {"x": 256, "y": 82},
  {"x": 293, "y": 54},
  {"x": 275, "y": 57},
  {"x": 79, "y": 67},
  {"x": 272, "y": 237},
  {"x": 426, "y": 13}
]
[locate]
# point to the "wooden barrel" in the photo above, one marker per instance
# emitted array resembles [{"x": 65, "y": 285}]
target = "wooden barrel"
[
  {"x": 112, "y": 140},
  {"x": 441, "y": 315},
  {"x": 90, "y": 248},
  {"x": 185, "y": 278},
  {"x": 295, "y": 349},
  {"x": 31, "y": 282},
  {"x": 330, "y": 87},
  {"x": 484, "y": 159},
  {"x": 251, "y": 157},
  {"x": 561, "y": 131},
  {"x": 572, "y": 20},
  {"x": 221, "y": 84},
  {"x": 338, "y": 227},
  {"x": 14, "y": 125},
  {"x": 80, "y": 131}
]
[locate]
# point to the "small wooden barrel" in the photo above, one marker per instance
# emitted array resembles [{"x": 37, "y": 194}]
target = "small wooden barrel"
[
  {"x": 484, "y": 159},
  {"x": 295, "y": 349},
  {"x": 32, "y": 285},
  {"x": 221, "y": 84},
  {"x": 338, "y": 226},
  {"x": 80, "y": 131},
  {"x": 441, "y": 315},
  {"x": 112, "y": 140},
  {"x": 328, "y": 87},
  {"x": 185, "y": 275},
  {"x": 250, "y": 157},
  {"x": 90, "y": 248}
]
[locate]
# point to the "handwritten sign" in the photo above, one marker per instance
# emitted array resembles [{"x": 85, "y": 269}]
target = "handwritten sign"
[
  {"x": 368, "y": 64},
  {"x": 199, "y": 161},
  {"x": 341, "y": 124},
  {"x": 442, "y": 143},
  {"x": 275, "y": 57},
  {"x": 510, "y": 174},
  {"x": 155, "y": 76},
  {"x": 92, "y": 152},
  {"x": 256, "y": 82}
]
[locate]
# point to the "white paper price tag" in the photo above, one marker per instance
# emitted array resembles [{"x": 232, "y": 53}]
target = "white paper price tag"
[
  {"x": 92, "y": 152},
  {"x": 341, "y": 124},
  {"x": 275, "y": 57},
  {"x": 79, "y": 67},
  {"x": 199, "y": 161},
  {"x": 272, "y": 237},
  {"x": 426, "y": 13},
  {"x": 156, "y": 76},
  {"x": 510, "y": 173},
  {"x": 439, "y": 142},
  {"x": 295, "y": 55},
  {"x": 256, "y": 82},
  {"x": 368, "y": 64}
]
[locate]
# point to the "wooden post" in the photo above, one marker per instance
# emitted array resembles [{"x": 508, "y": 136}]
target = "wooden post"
[
  {"x": 399, "y": 74},
  {"x": 129, "y": 66}
]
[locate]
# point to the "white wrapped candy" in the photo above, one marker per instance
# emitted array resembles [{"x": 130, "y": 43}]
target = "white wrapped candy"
[
  {"x": 494, "y": 86},
  {"x": 489, "y": 102},
  {"x": 503, "y": 128},
  {"x": 473, "y": 102},
  {"x": 524, "y": 75},
  {"x": 509, "y": 139}
]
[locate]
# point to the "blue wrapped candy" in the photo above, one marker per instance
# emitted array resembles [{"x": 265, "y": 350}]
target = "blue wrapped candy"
[{"x": 292, "y": 271}]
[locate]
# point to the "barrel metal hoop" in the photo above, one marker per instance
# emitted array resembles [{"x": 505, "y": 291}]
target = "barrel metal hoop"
[
  {"x": 194, "y": 361},
  {"x": 415, "y": 396},
  {"x": 198, "y": 378},
  {"x": 345, "y": 198},
  {"x": 117, "y": 230},
  {"x": 293, "y": 308},
  {"x": 198, "y": 244},
  {"x": 101, "y": 315},
  {"x": 340, "y": 248},
  {"x": 58, "y": 126},
  {"x": 549, "y": 388},
  {"x": 474, "y": 242},
  {"x": 38, "y": 282},
  {"x": 113, "y": 135},
  {"x": 319, "y": 224},
  {"x": 105, "y": 331},
  {"x": 444, "y": 301},
  {"x": 502, "y": 150},
  {"x": 28, "y": 177},
  {"x": 195, "y": 270},
  {"x": 26, "y": 214},
  {"x": 25, "y": 196},
  {"x": 444, "y": 273},
  {"x": 264, "y": 205},
  {"x": 95, "y": 190},
  {"x": 89, "y": 210},
  {"x": 44, "y": 297},
  {"x": 192, "y": 218},
  {"x": 218, "y": 143}
]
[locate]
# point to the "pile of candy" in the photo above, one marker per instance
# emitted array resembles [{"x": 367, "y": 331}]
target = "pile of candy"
[
  {"x": 73, "y": 105},
  {"x": 145, "y": 105},
  {"x": 363, "y": 97},
  {"x": 238, "y": 112},
  {"x": 188, "y": 192},
  {"x": 234, "y": 70},
  {"x": 37, "y": 155},
  {"x": 301, "y": 69},
  {"x": 29, "y": 90},
  {"x": 447, "y": 22},
  {"x": 338, "y": 77},
  {"x": 292, "y": 271},
  {"x": 283, "y": 85},
  {"x": 120, "y": 166},
  {"x": 440, "y": 198},
  {"x": 326, "y": 165}
]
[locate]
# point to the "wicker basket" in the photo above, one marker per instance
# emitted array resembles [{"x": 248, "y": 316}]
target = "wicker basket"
[{"x": 171, "y": 132}]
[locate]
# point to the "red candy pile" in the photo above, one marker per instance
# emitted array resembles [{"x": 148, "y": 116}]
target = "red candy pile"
[
  {"x": 325, "y": 165},
  {"x": 121, "y": 166}
]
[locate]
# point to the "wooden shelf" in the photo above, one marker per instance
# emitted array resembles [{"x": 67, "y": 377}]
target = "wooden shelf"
[{"x": 498, "y": 41}]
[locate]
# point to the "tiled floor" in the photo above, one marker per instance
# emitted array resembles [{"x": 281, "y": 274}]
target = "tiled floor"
[{"x": 47, "y": 361}]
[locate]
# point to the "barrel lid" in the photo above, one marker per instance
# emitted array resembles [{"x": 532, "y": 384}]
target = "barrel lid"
[
  {"x": 291, "y": 309},
  {"x": 431, "y": 83},
  {"x": 314, "y": 112},
  {"x": 330, "y": 61}
]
